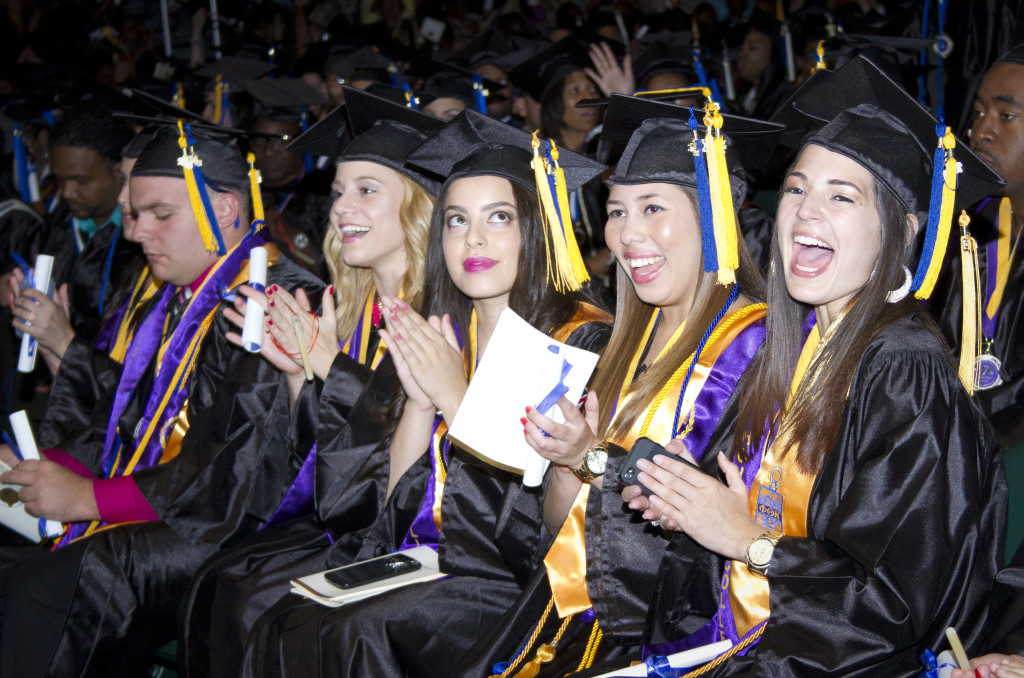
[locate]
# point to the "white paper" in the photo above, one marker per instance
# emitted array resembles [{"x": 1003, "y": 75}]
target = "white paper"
[
  {"x": 27, "y": 447},
  {"x": 679, "y": 660},
  {"x": 317, "y": 588},
  {"x": 520, "y": 367},
  {"x": 12, "y": 510},
  {"x": 252, "y": 328},
  {"x": 29, "y": 345}
]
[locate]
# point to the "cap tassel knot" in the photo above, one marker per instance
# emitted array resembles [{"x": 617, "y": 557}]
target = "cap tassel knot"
[
  {"x": 940, "y": 214},
  {"x": 197, "y": 194},
  {"x": 971, "y": 317},
  {"x": 721, "y": 197},
  {"x": 258, "y": 218},
  {"x": 566, "y": 268}
]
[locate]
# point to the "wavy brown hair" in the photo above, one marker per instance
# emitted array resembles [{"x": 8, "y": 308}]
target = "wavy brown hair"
[
  {"x": 353, "y": 284},
  {"x": 815, "y": 415},
  {"x": 631, "y": 318}
]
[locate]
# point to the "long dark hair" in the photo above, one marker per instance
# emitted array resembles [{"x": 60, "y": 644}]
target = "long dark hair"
[
  {"x": 631, "y": 319},
  {"x": 815, "y": 414},
  {"x": 552, "y": 110},
  {"x": 533, "y": 297}
]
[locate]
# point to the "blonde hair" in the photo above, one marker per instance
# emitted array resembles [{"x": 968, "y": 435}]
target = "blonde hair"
[{"x": 354, "y": 284}]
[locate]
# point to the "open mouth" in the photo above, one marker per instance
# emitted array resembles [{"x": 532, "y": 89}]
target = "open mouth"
[
  {"x": 645, "y": 269},
  {"x": 352, "y": 232},
  {"x": 810, "y": 254}
]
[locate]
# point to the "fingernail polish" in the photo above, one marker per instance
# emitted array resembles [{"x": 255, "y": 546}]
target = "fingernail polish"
[
  {"x": 331, "y": 289},
  {"x": 522, "y": 420},
  {"x": 394, "y": 316},
  {"x": 398, "y": 336},
  {"x": 269, "y": 323},
  {"x": 271, "y": 303},
  {"x": 528, "y": 408}
]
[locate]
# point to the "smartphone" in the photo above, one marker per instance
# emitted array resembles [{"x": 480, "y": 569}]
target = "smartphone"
[
  {"x": 645, "y": 448},
  {"x": 370, "y": 571}
]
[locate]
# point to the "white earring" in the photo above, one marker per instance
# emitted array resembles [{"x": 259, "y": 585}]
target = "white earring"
[{"x": 899, "y": 294}]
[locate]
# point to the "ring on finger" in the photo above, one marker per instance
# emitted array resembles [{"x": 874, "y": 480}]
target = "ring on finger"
[{"x": 657, "y": 523}]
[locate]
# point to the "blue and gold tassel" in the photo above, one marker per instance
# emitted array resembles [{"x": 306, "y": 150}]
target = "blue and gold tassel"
[
  {"x": 707, "y": 218},
  {"x": 258, "y": 218},
  {"x": 307, "y": 159},
  {"x": 940, "y": 214},
  {"x": 198, "y": 196},
  {"x": 565, "y": 266},
  {"x": 410, "y": 97},
  {"x": 479, "y": 94},
  {"x": 21, "y": 165},
  {"x": 819, "y": 57},
  {"x": 221, "y": 100},
  {"x": 721, "y": 197}
]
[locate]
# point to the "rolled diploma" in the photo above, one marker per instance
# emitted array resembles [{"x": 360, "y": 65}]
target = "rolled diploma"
[
  {"x": 679, "y": 660},
  {"x": 252, "y": 329},
  {"x": 27, "y": 446},
  {"x": 29, "y": 346}
]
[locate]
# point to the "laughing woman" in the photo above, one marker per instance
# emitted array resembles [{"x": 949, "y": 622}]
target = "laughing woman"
[
  {"x": 876, "y": 504},
  {"x": 376, "y": 246},
  {"x": 487, "y": 252}
]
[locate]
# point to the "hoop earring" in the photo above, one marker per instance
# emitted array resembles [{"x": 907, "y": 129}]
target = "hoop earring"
[{"x": 897, "y": 295}]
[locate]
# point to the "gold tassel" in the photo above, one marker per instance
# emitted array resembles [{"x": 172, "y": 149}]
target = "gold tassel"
[
  {"x": 948, "y": 142},
  {"x": 254, "y": 185},
  {"x": 721, "y": 197},
  {"x": 218, "y": 92},
  {"x": 819, "y": 63},
  {"x": 545, "y": 652},
  {"x": 971, "y": 321},
  {"x": 575, "y": 257},
  {"x": 560, "y": 269},
  {"x": 188, "y": 161},
  {"x": 179, "y": 97}
]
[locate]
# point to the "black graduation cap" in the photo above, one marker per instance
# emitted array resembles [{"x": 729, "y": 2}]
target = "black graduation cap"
[
  {"x": 861, "y": 113},
  {"x": 667, "y": 55},
  {"x": 658, "y": 136},
  {"x": 539, "y": 74},
  {"x": 443, "y": 79},
  {"x": 486, "y": 48},
  {"x": 224, "y": 166},
  {"x": 328, "y": 137},
  {"x": 236, "y": 71},
  {"x": 365, "y": 63},
  {"x": 1014, "y": 56},
  {"x": 386, "y": 133},
  {"x": 144, "y": 103},
  {"x": 133, "y": 149},
  {"x": 896, "y": 56},
  {"x": 472, "y": 144},
  {"x": 283, "y": 99},
  {"x": 398, "y": 95}
]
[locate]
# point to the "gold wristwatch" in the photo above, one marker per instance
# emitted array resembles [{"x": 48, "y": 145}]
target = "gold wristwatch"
[
  {"x": 593, "y": 463},
  {"x": 759, "y": 552}
]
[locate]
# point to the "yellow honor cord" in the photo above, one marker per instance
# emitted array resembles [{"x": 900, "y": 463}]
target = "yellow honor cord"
[
  {"x": 189, "y": 161},
  {"x": 723, "y": 211},
  {"x": 254, "y": 185},
  {"x": 948, "y": 142},
  {"x": 971, "y": 316}
]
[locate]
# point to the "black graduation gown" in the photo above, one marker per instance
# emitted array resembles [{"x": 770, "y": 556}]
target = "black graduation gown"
[
  {"x": 121, "y": 586},
  {"x": 86, "y": 272},
  {"x": 1006, "y": 618},
  {"x": 420, "y": 629},
  {"x": 906, "y": 523},
  {"x": 1004, "y": 404},
  {"x": 297, "y": 216}
]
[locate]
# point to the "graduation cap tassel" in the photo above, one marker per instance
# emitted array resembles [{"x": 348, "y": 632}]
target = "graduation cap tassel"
[
  {"x": 221, "y": 101},
  {"x": 940, "y": 214},
  {"x": 410, "y": 98},
  {"x": 197, "y": 195},
  {"x": 21, "y": 165},
  {"x": 971, "y": 318},
  {"x": 819, "y": 57},
  {"x": 258, "y": 218},
  {"x": 479, "y": 94},
  {"x": 565, "y": 267},
  {"x": 707, "y": 219},
  {"x": 721, "y": 197},
  {"x": 307, "y": 159},
  {"x": 179, "y": 96}
]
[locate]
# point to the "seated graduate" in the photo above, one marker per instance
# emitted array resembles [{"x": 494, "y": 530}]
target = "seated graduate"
[
  {"x": 182, "y": 457},
  {"x": 488, "y": 251},
  {"x": 865, "y": 510},
  {"x": 686, "y": 328},
  {"x": 997, "y": 223},
  {"x": 376, "y": 246}
]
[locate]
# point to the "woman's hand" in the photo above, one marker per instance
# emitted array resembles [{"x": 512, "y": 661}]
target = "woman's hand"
[
  {"x": 714, "y": 515},
  {"x": 565, "y": 444},
  {"x": 431, "y": 352},
  {"x": 272, "y": 354},
  {"x": 37, "y": 315},
  {"x": 284, "y": 309},
  {"x": 608, "y": 74},
  {"x": 995, "y": 666}
]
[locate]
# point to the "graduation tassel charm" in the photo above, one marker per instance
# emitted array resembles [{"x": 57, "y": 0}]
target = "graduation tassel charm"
[
  {"x": 819, "y": 57},
  {"x": 971, "y": 316},
  {"x": 721, "y": 197},
  {"x": 566, "y": 268},
  {"x": 258, "y": 219},
  {"x": 198, "y": 197},
  {"x": 940, "y": 214}
]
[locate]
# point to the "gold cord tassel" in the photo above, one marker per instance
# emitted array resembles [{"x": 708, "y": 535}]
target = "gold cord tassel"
[
  {"x": 596, "y": 634},
  {"x": 971, "y": 327},
  {"x": 565, "y": 267},
  {"x": 254, "y": 186},
  {"x": 948, "y": 142},
  {"x": 721, "y": 197},
  {"x": 545, "y": 652},
  {"x": 189, "y": 161}
]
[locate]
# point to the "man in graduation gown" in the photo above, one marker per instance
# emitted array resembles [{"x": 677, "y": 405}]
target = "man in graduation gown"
[
  {"x": 998, "y": 139},
  {"x": 186, "y": 455}
]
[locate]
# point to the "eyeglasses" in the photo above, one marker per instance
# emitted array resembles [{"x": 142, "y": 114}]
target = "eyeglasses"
[{"x": 261, "y": 144}]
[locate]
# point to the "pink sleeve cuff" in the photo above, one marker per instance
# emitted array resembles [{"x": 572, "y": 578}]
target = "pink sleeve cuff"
[
  {"x": 119, "y": 500},
  {"x": 67, "y": 461}
]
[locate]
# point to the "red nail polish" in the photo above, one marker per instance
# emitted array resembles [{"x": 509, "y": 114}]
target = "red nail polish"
[
  {"x": 528, "y": 408},
  {"x": 398, "y": 336},
  {"x": 269, "y": 323},
  {"x": 271, "y": 303},
  {"x": 331, "y": 289},
  {"x": 270, "y": 291},
  {"x": 522, "y": 420},
  {"x": 525, "y": 433},
  {"x": 394, "y": 316}
]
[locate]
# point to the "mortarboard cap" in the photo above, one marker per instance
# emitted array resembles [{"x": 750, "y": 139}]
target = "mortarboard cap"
[
  {"x": 666, "y": 55},
  {"x": 328, "y": 137},
  {"x": 144, "y": 103},
  {"x": 1014, "y": 56},
  {"x": 474, "y": 145},
  {"x": 539, "y": 74},
  {"x": 134, "y": 148},
  {"x": 365, "y": 63},
  {"x": 486, "y": 48},
  {"x": 236, "y": 71},
  {"x": 283, "y": 99},
  {"x": 386, "y": 133}
]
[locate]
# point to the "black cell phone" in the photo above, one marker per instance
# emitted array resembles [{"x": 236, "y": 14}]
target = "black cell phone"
[
  {"x": 645, "y": 448},
  {"x": 370, "y": 571}
]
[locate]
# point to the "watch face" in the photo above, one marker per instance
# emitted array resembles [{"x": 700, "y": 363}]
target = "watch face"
[
  {"x": 761, "y": 551},
  {"x": 596, "y": 461}
]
